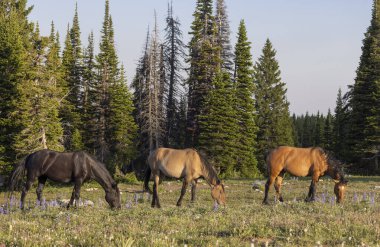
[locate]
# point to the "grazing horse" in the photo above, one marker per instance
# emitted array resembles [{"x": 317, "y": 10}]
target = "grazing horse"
[
  {"x": 182, "y": 163},
  {"x": 76, "y": 167},
  {"x": 301, "y": 162},
  {"x": 137, "y": 165}
]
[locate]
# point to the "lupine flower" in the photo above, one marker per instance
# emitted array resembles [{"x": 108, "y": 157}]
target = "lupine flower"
[
  {"x": 128, "y": 205},
  {"x": 323, "y": 198},
  {"x": 364, "y": 196},
  {"x": 372, "y": 198},
  {"x": 216, "y": 206},
  {"x": 332, "y": 200},
  {"x": 68, "y": 218},
  {"x": 355, "y": 197}
]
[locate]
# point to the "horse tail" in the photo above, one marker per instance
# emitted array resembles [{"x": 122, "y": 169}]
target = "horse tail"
[
  {"x": 148, "y": 171},
  {"x": 17, "y": 174}
]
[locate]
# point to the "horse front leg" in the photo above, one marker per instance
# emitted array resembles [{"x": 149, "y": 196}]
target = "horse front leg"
[
  {"x": 183, "y": 191},
  {"x": 77, "y": 188},
  {"x": 312, "y": 190},
  {"x": 193, "y": 188},
  {"x": 267, "y": 186}
]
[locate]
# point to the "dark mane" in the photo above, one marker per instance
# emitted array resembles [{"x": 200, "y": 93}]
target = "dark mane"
[
  {"x": 335, "y": 164},
  {"x": 208, "y": 169}
]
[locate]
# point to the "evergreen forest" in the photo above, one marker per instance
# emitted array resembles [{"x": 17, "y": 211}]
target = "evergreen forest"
[{"x": 57, "y": 93}]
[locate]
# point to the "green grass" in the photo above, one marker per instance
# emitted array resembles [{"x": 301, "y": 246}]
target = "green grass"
[{"x": 244, "y": 221}]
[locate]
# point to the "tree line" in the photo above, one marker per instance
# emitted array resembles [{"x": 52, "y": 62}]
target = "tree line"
[{"x": 206, "y": 94}]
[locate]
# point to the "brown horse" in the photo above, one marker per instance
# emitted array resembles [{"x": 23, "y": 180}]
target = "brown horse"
[
  {"x": 187, "y": 164},
  {"x": 301, "y": 162}
]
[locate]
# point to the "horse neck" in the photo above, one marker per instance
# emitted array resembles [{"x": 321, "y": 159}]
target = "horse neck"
[
  {"x": 102, "y": 176},
  {"x": 209, "y": 175}
]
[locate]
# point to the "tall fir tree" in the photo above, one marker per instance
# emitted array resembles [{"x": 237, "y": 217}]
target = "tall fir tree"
[
  {"x": 123, "y": 128},
  {"x": 107, "y": 71},
  {"x": 341, "y": 127},
  {"x": 365, "y": 94},
  {"x": 223, "y": 36},
  {"x": 273, "y": 120},
  {"x": 72, "y": 61},
  {"x": 328, "y": 131},
  {"x": 203, "y": 63},
  {"x": 218, "y": 128},
  {"x": 15, "y": 67},
  {"x": 173, "y": 54},
  {"x": 245, "y": 106}
]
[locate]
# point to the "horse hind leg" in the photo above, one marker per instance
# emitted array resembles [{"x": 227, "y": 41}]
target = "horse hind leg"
[
  {"x": 25, "y": 190},
  {"x": 277, "y": 186},
  {"x": 40, "y": 187},
  {"x": 183, "y": 191},
  {"x": 156, "y": 201}
]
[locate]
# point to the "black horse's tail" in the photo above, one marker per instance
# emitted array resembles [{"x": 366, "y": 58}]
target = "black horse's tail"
[
  {"x": 17, "y": 174},
  {"x": 148, "y": 171}
]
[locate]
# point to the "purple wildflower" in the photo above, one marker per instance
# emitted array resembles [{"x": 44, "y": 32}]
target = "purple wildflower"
[
  {"x": 364, "y": 196},
  {"x": 323, "y": 198},
  {"x": 128, "y": 205},
  {"x": 332, "y": 200},
  {"x": 355, "y": 197},
  {"x": 372, "y": 198},
  {"x": 216, "y": 206}
]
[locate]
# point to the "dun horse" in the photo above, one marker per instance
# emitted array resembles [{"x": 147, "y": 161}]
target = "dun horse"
[
  {"x": 76, "y": 167},
  {"x": 187, "y": 164},
  {"x": 301, "y": 162}
]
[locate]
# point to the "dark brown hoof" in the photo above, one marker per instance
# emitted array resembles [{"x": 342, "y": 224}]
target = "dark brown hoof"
[{"x": 265, "y": 202}]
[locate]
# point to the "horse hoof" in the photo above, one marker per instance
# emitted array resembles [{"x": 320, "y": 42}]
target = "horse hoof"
[{"x": 265, "y": 202}]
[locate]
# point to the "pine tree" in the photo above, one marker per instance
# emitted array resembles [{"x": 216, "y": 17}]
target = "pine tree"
[
  {"x": 123, "y": 128},
  {"x": 328, "y": 131},
  {"x": 72, "y": 61},
  {"x": 319, "y": 138},
  {"x": 203, "y": 63},
  {"x": 107, "y": 71},
  {"x": 341, "y": 127},
  {"x": 223, "y": 36},
  {"x": 91, "y": 97},
  {"x": 40, "y": 98},
  {"x": 218, "y": 128},
  {"x": 273, "y": 120},
  {"x": 174, "y": 52},
  {"x": 245, "y": 105},
  {"x": 365, "y": 94},
  {"x": 15, "y": 43}
]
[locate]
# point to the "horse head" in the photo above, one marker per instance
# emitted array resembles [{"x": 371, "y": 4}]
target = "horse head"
[
  {"x": 113, "y": 197},
  {"x": 218, "y": 193},
  {"x": 340, "y": 189}
]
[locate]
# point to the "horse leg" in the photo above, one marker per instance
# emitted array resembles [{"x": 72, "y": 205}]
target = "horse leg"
[
  {"x": 183, "y": 191},
  {"x": 193, "y": 188},
  {"x": 25, "y": 190},
  {"x": 277, "y": 186},
  {"x": 267, "y": 186},
  {"x": 312, "y": 190},
  {"x": 77, "y": 187},
  {"x": 71, "y": 199},
  {"x": 40, "y": 187},
  {"x": 156, "y": 201}
]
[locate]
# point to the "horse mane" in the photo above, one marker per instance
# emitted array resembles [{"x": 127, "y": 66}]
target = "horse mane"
[
  {"x": 101, "y": 168},
  {"x": 334, "y": 163},
  {"x": 208, "y": 170}
]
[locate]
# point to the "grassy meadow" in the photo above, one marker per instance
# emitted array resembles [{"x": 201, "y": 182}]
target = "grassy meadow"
[{"x": 243, "y": 222}]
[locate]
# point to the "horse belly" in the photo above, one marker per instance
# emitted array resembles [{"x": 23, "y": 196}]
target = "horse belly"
[
  {"x": 298, "y": 170},
  {"x": 62, "y": 177},
  {"x": 174, "y": 172}
]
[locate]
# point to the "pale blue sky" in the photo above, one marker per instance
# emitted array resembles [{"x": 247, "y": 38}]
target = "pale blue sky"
[{"x": 318, "y": 43}]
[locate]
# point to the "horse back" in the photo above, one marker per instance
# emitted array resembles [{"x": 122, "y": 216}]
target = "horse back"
[
  {"x": 175, "y": 163},
  {"x": 296, "y": 161},
  {"x": 58, "y": 166}
]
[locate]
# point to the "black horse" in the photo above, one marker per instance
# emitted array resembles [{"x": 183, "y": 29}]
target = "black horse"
[
  {"x": 75, "y": 167},
  {"x": 137, "y": 165}
]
